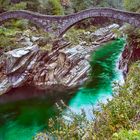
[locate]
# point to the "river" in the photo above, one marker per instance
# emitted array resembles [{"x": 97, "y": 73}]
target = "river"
[{"x": 22, "y": 119}]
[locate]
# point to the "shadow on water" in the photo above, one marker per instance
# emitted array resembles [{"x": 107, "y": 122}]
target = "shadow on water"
[{"x": 25, "y": 111}]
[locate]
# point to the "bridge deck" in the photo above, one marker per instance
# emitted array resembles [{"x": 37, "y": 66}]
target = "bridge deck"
[{"x": 58, "y": 25}]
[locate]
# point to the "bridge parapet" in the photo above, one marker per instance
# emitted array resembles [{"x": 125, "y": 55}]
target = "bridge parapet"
[{"x": 58, "y": 25}]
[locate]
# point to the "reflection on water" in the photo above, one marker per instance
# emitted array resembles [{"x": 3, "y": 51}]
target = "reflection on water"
[{"x": 20, "y": 120}]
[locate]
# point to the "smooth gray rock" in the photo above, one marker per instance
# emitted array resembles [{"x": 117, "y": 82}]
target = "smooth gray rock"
[
  {"x": 17, "y": 64},
  {"x": 65, "y": 66}
]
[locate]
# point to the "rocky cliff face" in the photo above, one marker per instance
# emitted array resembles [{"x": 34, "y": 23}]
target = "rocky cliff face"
[
  {"x": 130, "y": 54},
  {"x": 64, "y": 67}
]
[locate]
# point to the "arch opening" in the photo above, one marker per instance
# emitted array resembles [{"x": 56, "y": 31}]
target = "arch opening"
[
  {"x": 76, "y": 32},
  {"x": 97, "y": 21}
]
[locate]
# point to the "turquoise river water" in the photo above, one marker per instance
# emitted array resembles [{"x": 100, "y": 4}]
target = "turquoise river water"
[{"x": 22, "y": 119}]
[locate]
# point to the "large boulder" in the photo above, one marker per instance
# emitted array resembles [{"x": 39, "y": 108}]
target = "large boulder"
[
  {"x": 15, "y": 65},
  {"x": 66, "y": 66}
]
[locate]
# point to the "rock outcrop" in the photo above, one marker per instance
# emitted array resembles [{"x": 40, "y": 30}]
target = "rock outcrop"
[
  {"x": 65, "y": 66},
  {"x": 15, "y": 67}
]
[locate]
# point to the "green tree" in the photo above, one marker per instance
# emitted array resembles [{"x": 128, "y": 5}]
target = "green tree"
[
  {"x": 79, "y": 5},
  {"x": 6, "y": 5},
  {"x": 108, "y": 3},
  {"x": 55, "y": 7},
  {"x": 132, "y": 5},
  {"x": 52, "y": 7},
  {"x": 3, "y": 4}
]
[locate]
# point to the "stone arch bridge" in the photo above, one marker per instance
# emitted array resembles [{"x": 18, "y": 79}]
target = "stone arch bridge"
[{"x": 58, "y": 25}]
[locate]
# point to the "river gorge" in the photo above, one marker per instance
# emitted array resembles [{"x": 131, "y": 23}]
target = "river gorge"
[{"x": 29, "y": 116}]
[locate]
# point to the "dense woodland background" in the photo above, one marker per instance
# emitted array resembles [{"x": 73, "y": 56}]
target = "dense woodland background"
[{"x": 64, "y": 7}]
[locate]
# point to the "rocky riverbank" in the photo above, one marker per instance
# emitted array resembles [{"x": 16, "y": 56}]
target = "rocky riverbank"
[{"x": 65, "y": 66}]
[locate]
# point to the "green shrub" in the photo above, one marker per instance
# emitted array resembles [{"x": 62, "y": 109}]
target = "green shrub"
[
  {"x": 114, "y": 121},
  {"x": 55, "y": 7},
  {"x": 51, "y": 7},
  {"x": 120, "y": 111},
  {"x": 127, "y": 135},
  {"x": 132, "y": 5},
  {"x": 6, "y": 5},
  {"x": 8, "y": 40},
  {"x": 76, "y": 36},
  {"x": 17, "y": 6}
]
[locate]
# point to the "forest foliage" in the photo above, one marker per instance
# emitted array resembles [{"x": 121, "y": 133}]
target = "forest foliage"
[
  {"x": 132, "y": 5},
  {"x": 67, "y": 6},
  {"x": 58, "y": 7},
  {"x": 119, "y": 119}
]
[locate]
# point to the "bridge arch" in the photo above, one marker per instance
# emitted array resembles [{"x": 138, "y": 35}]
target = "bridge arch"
[
  {"x": 115, "y": 14},
  {"x": 58, "y": 25},
  {"x": 64, "y": 30}
]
